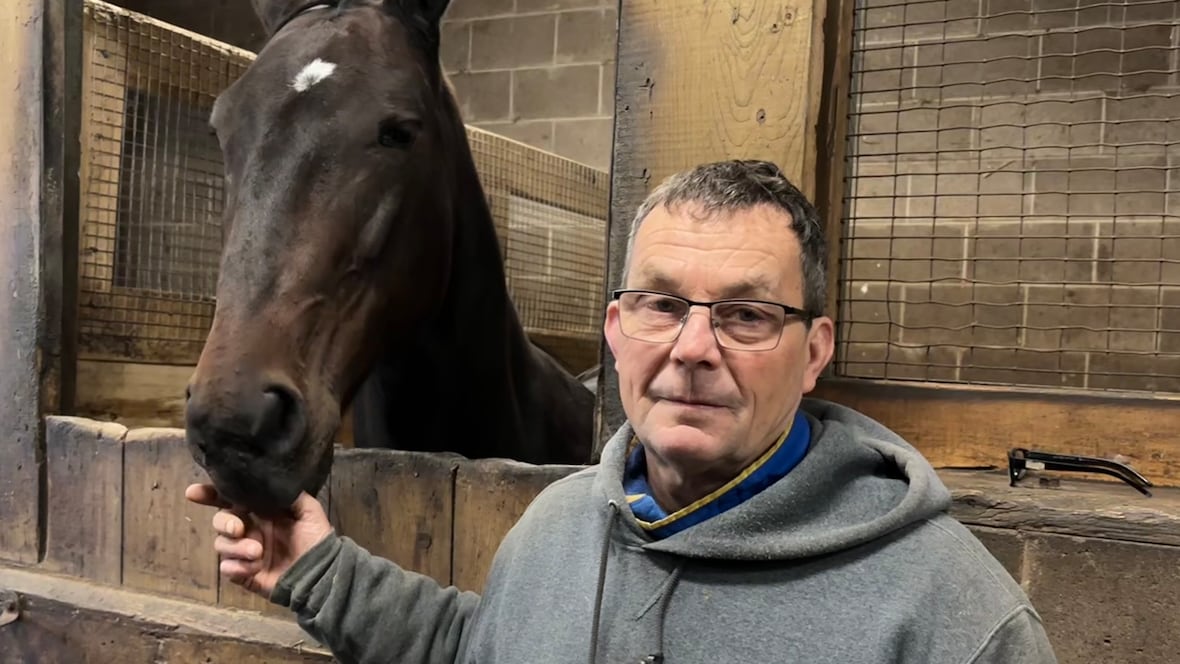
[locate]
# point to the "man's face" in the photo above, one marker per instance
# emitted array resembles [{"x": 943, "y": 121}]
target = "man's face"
[{"x": 692, "y": 402}]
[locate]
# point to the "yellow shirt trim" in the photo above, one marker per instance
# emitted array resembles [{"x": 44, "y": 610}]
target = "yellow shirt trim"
[{"x": 701, "y": 502}]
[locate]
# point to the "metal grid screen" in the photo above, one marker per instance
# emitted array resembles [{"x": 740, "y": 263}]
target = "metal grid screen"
[
  {"x": 1013, "y": 208},
  {"x": 151, "y": 185},
  {"x": 152, "y": 203}
]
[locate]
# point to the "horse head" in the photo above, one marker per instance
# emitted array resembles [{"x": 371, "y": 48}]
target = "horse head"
[{"x": 338, "y": 230}]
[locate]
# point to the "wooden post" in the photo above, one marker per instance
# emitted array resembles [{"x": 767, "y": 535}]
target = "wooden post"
[
  {"x": 701, "y": 82},
  {"x": 23, "y": 286}
]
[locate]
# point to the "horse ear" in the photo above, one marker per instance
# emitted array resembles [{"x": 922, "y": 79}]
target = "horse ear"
[
  {"x": 429, "y": 12},
  {"x": 274, "y": 13}
]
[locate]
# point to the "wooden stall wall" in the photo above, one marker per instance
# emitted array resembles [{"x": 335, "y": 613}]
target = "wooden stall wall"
[{"x": 701, "y": 82}]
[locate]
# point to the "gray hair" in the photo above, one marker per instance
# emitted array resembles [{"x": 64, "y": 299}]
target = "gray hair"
[{"x": 730, "y": 186}]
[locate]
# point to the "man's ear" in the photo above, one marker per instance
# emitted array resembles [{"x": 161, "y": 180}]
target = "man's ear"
[
  {"x": 273, "y": 13},
  {"x": 428, "y": 13}
]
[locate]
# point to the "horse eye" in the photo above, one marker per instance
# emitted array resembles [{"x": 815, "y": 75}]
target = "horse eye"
[{"x": 394, "y": 134}]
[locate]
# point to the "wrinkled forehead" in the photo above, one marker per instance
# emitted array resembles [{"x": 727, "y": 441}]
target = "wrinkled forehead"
[{"x": 360, "y": 56}]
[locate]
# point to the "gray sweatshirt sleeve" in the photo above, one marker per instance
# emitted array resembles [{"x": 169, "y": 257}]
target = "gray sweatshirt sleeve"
[
  {"x": 368, "y": 609},
  {"x": 1019, "y": 638}
]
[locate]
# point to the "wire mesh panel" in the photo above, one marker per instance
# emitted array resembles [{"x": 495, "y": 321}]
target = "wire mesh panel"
[
  {"x": 1013, "y": 207},
  {"x": 151, "y": 185},
  {"x": 550, "y": 214},
  {"x": 152, "y": 203}
]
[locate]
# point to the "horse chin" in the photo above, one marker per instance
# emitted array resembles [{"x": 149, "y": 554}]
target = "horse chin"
[{"x": 268, "y": 487}]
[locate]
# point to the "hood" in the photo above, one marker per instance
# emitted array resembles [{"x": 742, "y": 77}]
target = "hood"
[{"x": 858, "y": 482}]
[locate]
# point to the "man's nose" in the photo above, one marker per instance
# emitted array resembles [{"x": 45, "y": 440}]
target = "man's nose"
[{"x": 697, "y": 343}]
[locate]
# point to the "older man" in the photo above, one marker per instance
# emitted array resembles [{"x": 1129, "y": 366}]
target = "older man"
[{"x": 728, "y": 520}]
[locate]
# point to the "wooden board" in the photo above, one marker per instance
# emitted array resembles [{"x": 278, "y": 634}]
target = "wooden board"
[
  {"x": 167, "y": 541},
  {"x": 1079, "y": 507},
  {"x": 84, "y": 463},
  {"x": 490, "y": 495},
  {"x": 397, "y": 505},
  {"x": 71, "y": 621},
  {"x": 976, "y": 426},
  {"x": 700, "y": 82},
  {"x": 134, "y": 395}
]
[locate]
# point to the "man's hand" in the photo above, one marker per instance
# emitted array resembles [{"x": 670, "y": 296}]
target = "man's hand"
[{"x": 256, "y": 551}]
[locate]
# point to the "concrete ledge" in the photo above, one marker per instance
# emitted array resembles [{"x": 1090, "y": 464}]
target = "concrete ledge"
[{"x": 65, "y": 619}]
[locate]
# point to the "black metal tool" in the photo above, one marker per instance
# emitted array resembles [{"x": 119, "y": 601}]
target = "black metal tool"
[{"x": 1021, "y": 460}]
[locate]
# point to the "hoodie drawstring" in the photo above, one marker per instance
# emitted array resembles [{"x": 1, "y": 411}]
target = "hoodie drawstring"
[
  {"x": 610, "y": 524},
  {"x": 665, "y": 600}
]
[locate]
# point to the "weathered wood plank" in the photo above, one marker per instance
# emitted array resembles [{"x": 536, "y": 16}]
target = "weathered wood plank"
[
  {"x": 71, "y": 621},
  {"x": 490, "y": 495},
  {"x": 701, "y": 82},
  {"x": 1076, "y": 506},
  {"x": 971, "y": 427},
  {"x": 132, "y": 394},
  {"x": 22, "y": 306},
  {"x": 167, "y": 541},
  {"x": 84, "y": 461},
  {"x": 398, "y": 505}
]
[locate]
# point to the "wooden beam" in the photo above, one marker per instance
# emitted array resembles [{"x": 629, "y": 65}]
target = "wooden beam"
[
  {"x": 63, "y": 619},
  {"x": 700, "y": 82},
  {"x": 968, "y": 426},
  {"x": 23, "y": 317}
]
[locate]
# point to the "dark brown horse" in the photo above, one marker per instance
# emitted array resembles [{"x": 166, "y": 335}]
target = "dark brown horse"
[{"x": 359, "y": 250}]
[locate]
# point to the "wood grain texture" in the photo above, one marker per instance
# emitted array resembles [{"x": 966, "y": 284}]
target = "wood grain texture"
[
  {"x": 167, "y": 541},
  {"x": 1077, "y": 507},
  {"x": 84, "y": 460},
  {"x": 976, "y": 426},
  {"x": 22, "y": 315},
  {"x": 490, "y": 495},
  {"x": 700, "y": 82},
  {"x": 70, "y": 621},
  {"x": 397, "y": 505},
  {"x": 132, "y": 394}
]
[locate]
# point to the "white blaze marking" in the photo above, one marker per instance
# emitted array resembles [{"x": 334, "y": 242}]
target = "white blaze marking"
[{"x": 315, "y": 71}]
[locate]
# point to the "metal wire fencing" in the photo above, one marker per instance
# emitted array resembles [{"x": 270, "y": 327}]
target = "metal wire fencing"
[
  {"x": 152, "y": 188},
  {"x": 1013, "y": 208}
]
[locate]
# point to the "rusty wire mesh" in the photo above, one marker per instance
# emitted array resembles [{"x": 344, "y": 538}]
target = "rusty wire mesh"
[
  {"x": 152, "y": 203},
  {"x": 1012, "y": 214},
  {"x": 150, "y": 234}
]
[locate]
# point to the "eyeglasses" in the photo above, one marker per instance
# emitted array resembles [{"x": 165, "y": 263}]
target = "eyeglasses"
[{"x": 748, "y": 325}]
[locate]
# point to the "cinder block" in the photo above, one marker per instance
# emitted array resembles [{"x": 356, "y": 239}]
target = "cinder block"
[
  {"x": 1006, "y": 16},
  {"x": 513, "y": 41},
  {"x": 872, "y": 315},
  {"x": 586, "y": 36},
  {"x": 556, "y": 92},
  {"x": 938, "y": 363},
  {"x": 606, "y": 93},
  {"x": 993, "y": 365},
  {"x": 478, "y": 8},
  {"x": 556, "y": 5},
  {"x": 1006, "y": 545},
  {"x": 588, "y": 141},
  {"x": 483, "y": 96},
  {"x": 1170, "y": 320},
  {"x": 455, "y": 46},
  {"x": 1134, "y": 372},
  {"x": 1105, "y": 600},
  {"x": 537, "y": 133}
]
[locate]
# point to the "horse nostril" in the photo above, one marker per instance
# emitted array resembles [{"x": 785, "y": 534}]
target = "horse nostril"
[{"x": 277, "y": 415}]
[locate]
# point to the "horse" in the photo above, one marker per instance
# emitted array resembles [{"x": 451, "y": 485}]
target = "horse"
[{"x": 360, "y": 265}]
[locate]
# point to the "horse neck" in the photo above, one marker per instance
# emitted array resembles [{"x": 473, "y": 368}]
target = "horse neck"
[{"x": 473, "y": 363}]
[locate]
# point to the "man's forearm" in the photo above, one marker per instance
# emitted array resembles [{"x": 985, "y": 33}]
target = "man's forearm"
[{"x": 367, "y": 609}]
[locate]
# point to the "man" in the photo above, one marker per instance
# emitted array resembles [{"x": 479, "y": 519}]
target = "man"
[{"x": 728, "y": 520}]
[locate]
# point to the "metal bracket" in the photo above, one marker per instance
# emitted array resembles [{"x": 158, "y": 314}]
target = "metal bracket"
[{"x": 1021, "y": 460}]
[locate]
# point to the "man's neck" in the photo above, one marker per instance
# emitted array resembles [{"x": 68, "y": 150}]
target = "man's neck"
[{"x": 674, "y": 488}]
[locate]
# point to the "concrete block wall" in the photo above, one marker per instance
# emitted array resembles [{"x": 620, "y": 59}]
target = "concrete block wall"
[
  {"x": 538, "y": 71},
  {"x": 1014, "y": 194}
]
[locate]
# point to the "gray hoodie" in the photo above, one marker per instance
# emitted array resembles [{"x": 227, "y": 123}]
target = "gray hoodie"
[{"x": 849, "y": 559}]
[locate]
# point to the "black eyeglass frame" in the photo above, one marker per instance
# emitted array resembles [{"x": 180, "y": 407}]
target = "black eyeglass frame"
[{"x": 798, "y": 313}]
